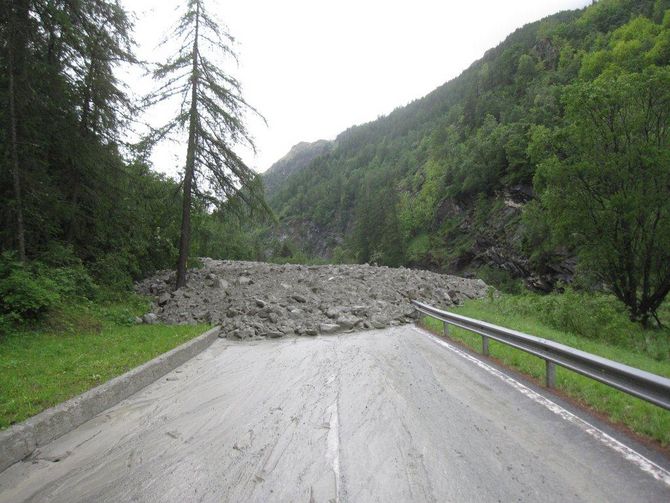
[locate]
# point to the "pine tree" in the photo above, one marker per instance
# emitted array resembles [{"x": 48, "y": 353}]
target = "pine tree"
[
  {"x": 211, "y": 115},
  {"x": 16, "y": 28}
]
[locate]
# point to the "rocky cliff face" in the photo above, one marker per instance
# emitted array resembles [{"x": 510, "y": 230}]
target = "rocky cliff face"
[{"x": 494, "y": 242}]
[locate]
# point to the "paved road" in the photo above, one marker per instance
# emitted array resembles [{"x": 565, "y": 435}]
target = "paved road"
[{"x": 378, "y": 416}]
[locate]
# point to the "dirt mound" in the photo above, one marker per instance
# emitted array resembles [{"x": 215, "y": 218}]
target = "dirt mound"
[{"x": 256, "y": 300}]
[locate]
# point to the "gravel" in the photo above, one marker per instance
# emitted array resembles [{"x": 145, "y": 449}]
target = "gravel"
[{"x": 253, "y": 300}]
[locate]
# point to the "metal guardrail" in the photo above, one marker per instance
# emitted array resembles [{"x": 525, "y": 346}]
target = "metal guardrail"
[{"x": 636, "y": 382}]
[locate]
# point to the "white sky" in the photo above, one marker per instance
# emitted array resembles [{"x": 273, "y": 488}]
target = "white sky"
[{"x": 314, "y": 68}]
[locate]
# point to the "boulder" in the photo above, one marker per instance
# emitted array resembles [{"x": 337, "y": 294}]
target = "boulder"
[
  {"x": 328, "y": 328},
  {"x": 347, "y": 322},
  {"x": 243, "y": 333},
  {"x": 164, "y": 299},
  {"x": 299, "y": 298},
  {"x": 220, "y": 283}
]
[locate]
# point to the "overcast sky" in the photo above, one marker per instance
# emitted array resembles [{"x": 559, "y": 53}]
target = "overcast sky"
[{"x": 314, "y": 68}]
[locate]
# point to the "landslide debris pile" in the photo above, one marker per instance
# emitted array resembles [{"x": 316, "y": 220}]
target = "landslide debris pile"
[{"x": 257, "y": 300}]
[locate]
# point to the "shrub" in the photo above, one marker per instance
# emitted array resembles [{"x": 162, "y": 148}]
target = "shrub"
[
  {"x": 418, "y": 248},
  {"x": 500, "y": 279},
  {"x": 29, "y": 290},
  {"x": 592, "y": 315},
  {"x": 112, "y": 270},
  {"x": 23, "y": 294}
]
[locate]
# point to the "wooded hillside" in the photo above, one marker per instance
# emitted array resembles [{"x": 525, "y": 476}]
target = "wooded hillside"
[{"x": 449, "y": 182}]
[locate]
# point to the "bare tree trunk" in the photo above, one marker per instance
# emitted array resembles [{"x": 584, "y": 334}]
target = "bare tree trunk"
[
  {"x": 14, "y": 151},
  {"x": 185, "y": 237}
]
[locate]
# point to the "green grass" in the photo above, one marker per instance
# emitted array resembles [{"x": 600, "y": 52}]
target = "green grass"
[
  {"x": 641, "y": 417},
  {"x": 75, "y": 349}
]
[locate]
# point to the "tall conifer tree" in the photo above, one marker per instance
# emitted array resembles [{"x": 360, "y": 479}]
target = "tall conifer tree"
[{"x": 211, "y": 115}]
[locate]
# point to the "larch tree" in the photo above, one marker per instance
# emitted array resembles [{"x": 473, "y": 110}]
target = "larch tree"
[{"x": 211, "y": 114}]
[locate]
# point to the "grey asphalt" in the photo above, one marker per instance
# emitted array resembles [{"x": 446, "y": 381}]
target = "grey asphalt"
[{"x": 387, "y": 416}]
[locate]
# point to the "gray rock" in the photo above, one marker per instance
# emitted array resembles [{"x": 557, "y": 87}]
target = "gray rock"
[
  {"x": 220, "y": 283},
  {"x": 243, "y": 333},
  {"x": 298, "y": 298},
  {"x": 379, "y": 322},
  {"x": 334, "y": 312},
  {"x": 328, "y": 328},
  {"x": 150, "y": 318},
  {"x": 164, "y": 299},
  {"x": 347, "y": 322},
  {"x": 260, "y": 303}
]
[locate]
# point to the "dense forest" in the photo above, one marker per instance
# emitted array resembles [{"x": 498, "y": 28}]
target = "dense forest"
[
  {"x": 82, "y": 211},
  {"x": 551, "y": 148}
]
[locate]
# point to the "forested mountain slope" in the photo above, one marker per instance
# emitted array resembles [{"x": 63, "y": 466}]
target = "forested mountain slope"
[
  {"x": 446, "y": 182},
  {"x": 298, "y": 158}
]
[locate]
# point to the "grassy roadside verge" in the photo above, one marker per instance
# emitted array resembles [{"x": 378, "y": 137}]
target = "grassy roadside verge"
[
  {"x": 637, "y": 415},
  {"x": 75, "y": 349}
]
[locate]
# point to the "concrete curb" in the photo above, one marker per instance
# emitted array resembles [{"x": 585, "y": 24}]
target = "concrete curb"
[{"x": 18, "y": 441}]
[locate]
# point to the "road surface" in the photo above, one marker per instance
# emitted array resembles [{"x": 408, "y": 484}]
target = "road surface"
[{"x": 390, "y": 416}]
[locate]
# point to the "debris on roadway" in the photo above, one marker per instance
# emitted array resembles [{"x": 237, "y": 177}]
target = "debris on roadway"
[{"x": 252, "y": 300}]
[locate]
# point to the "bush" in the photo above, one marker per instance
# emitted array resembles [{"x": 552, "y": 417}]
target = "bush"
[
  {"x": 60, "y": 264},
  {"x": 29, "y": 290},
  {"x": 112, "y": 270},
  {"x": 500, "y": 279},
  {"x": 592, "y": 315},
  {"x": 418, "y": 248},
  {"x": 24, "y": 295}
]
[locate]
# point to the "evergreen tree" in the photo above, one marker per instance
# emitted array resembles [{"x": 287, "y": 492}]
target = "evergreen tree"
[
  {"x": 16, "y": 28},
  {"x": 211, "y": 115}
]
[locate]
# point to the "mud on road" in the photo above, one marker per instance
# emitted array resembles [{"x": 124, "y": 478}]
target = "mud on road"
[{"x": 375, "y": 416}]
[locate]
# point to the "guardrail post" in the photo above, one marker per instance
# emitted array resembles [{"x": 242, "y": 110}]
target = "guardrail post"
[
  {"x": 551, "y": 374},
  {"x": 446, "y": 329},
  {"x": 485, "y": 345}
]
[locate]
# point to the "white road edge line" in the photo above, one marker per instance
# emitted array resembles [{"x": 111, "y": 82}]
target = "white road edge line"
[
  {"x": 643, "y": 463},
  {"x": 334, "y": 446}
]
